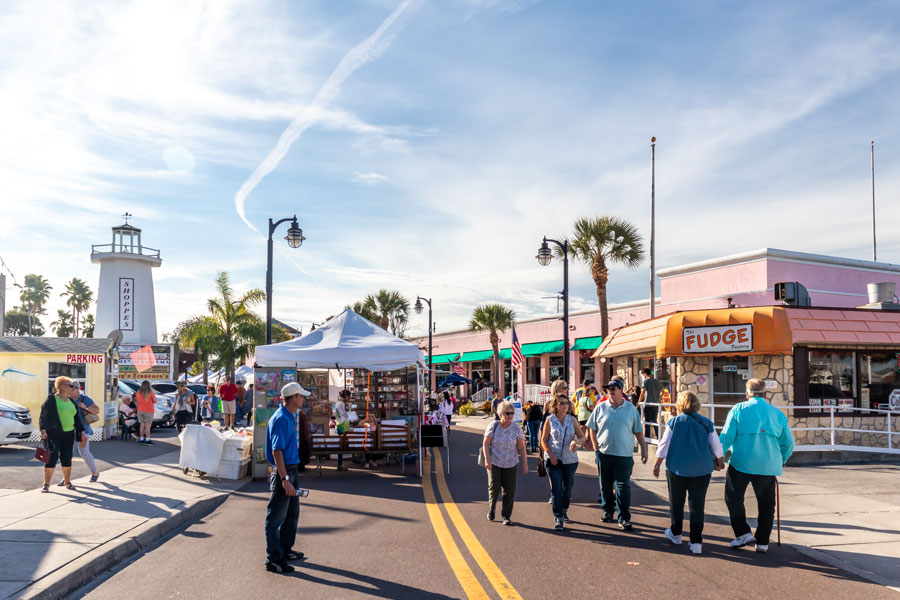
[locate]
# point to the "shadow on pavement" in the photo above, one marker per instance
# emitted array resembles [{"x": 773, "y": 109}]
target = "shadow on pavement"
[{"x": 364, "y": 584}]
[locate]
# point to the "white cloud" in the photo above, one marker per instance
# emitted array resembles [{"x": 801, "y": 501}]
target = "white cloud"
[{"x": 370, "y": 178}]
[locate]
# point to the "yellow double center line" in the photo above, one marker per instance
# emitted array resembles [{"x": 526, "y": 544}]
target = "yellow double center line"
[{"x": 464, "y": 574}]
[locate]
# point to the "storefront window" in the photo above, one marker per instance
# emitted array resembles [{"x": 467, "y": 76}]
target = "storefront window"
[
  {"x": 832, "y": 379},
  {"x": 556, "y": 368},
  {"x": 878, "y": 376},
  {"x": 587, "y": 367},
  {"x": 75, "y": 372}
]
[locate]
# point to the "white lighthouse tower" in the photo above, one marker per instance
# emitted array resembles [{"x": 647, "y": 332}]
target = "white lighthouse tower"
[{"x": 125, "y": 297}]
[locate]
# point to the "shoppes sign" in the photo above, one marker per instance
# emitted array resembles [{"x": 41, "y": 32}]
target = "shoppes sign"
[{"x": 722, "y": 339}]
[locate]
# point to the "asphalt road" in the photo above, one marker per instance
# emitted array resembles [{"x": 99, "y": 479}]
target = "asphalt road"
[
  {"x": 19, "y": 470},
  {"x": 369, "y": 535}
]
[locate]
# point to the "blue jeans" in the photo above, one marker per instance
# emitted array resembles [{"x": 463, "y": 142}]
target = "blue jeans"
[
  {"x": 615, "y": 471},
  {"x": 562, "y": 477},
  {"x": 534, "y": 431},
  {"x": 282, "y": 515},
  {"x": 238, "y": 413}
]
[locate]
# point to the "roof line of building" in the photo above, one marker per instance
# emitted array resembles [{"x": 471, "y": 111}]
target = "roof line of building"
[{"x": 778, "y": 254}]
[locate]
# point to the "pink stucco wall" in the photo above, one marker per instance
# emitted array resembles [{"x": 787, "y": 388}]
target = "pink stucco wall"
[{"x": 747, "y": 279}]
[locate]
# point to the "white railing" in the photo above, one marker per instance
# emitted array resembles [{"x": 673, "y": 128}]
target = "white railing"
[
  {"x": 880, "y": 440},
  {"x": 539, "y": 394},
  {"x": 481, "y": 396}
]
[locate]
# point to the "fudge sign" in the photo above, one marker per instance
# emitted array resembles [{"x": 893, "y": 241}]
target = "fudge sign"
[{"x": 722, "y": 339}]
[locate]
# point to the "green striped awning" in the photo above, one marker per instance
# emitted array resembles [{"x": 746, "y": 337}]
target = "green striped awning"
[
  {"x": 506, "y": 353},
  {"x": 479, "y": 355},
  {"x": 542, "y": 348},
  {"x": 588, "y": 343},
  {"x": 444, "y": 358}
]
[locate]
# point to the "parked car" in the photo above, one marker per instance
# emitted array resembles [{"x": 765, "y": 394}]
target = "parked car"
[
  {"x": 15, "y": 422},
  {"x": 162, "y": 412}
]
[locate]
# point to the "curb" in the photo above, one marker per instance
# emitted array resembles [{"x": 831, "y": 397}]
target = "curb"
[{"x": 87, "y": 566}]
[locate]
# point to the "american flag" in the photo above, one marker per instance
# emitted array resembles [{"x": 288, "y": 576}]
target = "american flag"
[
  {"x": 458, "y": 368},
  {"x": 517, "y": 358}
]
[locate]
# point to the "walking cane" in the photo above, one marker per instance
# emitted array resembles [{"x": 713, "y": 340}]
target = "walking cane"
[{"x": 778, "y": 509}]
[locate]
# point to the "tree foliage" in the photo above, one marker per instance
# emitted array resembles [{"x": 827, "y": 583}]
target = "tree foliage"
[
  {"x": 493, "y": 318},
  {"x": 34, "y": 295},
  {"x": 599, "y": 242},
  {"x": 79, "y": 297},
  {"x": 229, "y": 333},
  {"x": 15, "y": 322},
  {"x": 64, "y": 325}
]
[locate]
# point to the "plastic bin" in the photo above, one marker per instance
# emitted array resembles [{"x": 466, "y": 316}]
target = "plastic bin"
[
  {"x": 233, "y": 469},
  {"x": 237, "y": 448}
]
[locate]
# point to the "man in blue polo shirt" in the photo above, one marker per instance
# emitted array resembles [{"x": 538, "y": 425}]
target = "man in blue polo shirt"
[
  {"x": 760, "y": 441},
  {"x": 282, "y": 452},
  {"x": 613, "y": 426}
]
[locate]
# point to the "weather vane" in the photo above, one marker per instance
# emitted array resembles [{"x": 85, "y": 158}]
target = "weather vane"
[{"x": 127, "y": 216}]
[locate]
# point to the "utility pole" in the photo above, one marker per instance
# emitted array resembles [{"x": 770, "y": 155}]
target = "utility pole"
[
  {"x": 652, "y": 227},
  {"x": 2, "y": 303},
  {"x": 874, "y": 246}
]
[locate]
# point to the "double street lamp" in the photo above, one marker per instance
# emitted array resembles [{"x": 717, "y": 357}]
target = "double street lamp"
[
  {"x": 418, "y": 308},
  {"x": 294, "y": 239},
  {"x": 544, "y": 256}
]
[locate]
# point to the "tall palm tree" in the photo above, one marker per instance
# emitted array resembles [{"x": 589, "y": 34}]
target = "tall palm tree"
[
  {"x": 493, "y": 318},
  {"x": 78, "y": 296},
  {"x": 599, "y": 242},
  {"x": 34, "y": 296},
  {"x": 64, "y": 325},
  {"x": 392, "y": 310},
  {"x": 366, "y": 309},
  {"x": 230, "y": 332}
]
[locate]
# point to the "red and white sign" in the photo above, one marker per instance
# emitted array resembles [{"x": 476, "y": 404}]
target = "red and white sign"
[
  {"x": 722, "y": 339},
  {"x": 87, "y": 359}
]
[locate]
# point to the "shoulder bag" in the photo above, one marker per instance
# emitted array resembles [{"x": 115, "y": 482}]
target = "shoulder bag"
[{"x": 43, "y": 451}]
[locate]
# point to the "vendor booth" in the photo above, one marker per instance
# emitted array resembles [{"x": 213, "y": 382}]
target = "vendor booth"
[{"x": 385, "y": 384}]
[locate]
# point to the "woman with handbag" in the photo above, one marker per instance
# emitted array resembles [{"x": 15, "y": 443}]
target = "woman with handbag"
[
  {"x": 560, "y": 438},
  {"x": 60, "y": 426},
  {"x": 692, "y": 450},
  {"x": 503, "y": 446}
]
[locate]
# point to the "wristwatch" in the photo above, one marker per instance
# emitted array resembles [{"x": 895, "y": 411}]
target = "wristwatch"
[{"x": 286, "y": 478}]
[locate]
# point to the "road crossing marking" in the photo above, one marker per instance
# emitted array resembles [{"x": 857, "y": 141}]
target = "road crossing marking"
[
  {"x": 458, "y": 564},
  {"x": 484, "y": 560}
]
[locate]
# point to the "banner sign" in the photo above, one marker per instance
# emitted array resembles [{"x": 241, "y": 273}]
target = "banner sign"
[
  {"x": 153, "y": 363},
  {"x": 721, "y": 339},
  {"x": 126, "y": 303}
]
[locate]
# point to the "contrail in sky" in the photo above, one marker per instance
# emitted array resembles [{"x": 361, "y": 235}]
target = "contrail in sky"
[{"x": 370, "y": 48}]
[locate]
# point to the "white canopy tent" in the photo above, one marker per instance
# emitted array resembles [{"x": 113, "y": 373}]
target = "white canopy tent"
[{"x": 347, "y": 341}]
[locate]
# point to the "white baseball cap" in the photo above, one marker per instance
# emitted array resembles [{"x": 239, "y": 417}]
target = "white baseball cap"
[{"x": 292, "y": 389}]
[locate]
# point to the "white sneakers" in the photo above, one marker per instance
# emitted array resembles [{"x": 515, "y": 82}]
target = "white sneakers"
[
  {"x": 762, "y": 547},
  {"x": 740, "y": 542},
  {"x": 675, "y": 539},
  {"x": 696, "y": 548}
]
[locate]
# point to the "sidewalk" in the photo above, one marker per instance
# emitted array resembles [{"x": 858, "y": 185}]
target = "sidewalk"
[
  {"x": 844, "y": 515},
  {"x": 51, "y": 544}
]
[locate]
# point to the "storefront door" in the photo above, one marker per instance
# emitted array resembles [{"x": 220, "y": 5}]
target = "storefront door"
[{"x": 730, "y": 375}]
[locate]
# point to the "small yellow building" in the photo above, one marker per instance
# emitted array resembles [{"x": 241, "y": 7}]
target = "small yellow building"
[{"x": 28, "y": 366}]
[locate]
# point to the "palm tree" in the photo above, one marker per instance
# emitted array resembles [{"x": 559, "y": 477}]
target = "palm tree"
[
  {"x": 79, "y": 296},
  {"x": 493, "y": 318},
  {"x": 64, "y": 324},
  {"x": 365, "y": 309},
  {"x": 391, "y": 310},
  {"x": 88, "y": 330},
  {"x": 600, "y": 241},
  {"x": 34, "y": 296},
  {"x": 229, "y": 333}
]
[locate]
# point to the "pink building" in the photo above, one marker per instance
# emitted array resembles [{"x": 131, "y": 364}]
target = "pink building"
[{"x": 736, "y": 281}]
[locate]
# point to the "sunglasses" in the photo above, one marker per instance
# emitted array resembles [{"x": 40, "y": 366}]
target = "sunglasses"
[
  {"x": 509, "y": 413},
  {"x": 563, "y": 402}
]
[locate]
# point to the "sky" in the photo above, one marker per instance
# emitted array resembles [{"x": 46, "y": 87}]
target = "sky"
[{"x": 427, "y": 146}]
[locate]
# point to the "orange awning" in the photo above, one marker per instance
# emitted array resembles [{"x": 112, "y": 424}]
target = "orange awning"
[
  {"x": 726, "y": 331},
  {"x": 637, "y": 338}
]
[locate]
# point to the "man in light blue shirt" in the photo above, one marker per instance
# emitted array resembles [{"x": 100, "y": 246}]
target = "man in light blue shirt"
[
  {"x": 613, "y": 426},
  {"x": 760, "y": 441}
]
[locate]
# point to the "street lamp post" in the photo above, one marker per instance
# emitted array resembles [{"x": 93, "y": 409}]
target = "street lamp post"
[
  {"x": 294, "y": 239},
  {"x": 543, "y": 256},
  {"x": 418, "y": 308}
]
